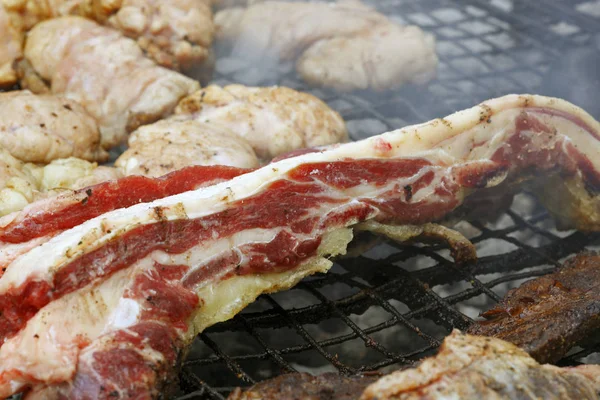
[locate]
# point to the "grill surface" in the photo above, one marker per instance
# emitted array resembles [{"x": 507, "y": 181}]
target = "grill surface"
[{"x": 394, "y": 304}]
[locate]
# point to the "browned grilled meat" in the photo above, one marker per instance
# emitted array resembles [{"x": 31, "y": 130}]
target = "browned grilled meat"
[
  {"x": 301, "y": 386},
  {"x": 549, "y": 315},
  {"x": 476, "y": 367},
  {"x": 466, "y": 367}
]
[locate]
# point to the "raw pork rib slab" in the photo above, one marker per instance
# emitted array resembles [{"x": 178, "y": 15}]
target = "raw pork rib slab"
[{"x": 106, "y": 309}]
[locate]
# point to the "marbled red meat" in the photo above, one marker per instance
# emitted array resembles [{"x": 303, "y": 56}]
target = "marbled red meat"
[{"x": 91, "y": 284}]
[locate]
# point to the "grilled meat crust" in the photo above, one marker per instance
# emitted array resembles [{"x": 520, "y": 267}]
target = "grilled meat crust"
[
  {"x": 302, "y": 386},
  {"x": 476, "y": 367},
  {"x": 549, "y": 315}
]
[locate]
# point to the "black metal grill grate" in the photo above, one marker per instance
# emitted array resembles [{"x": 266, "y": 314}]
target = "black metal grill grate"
[{"x": 394, "y": 304}]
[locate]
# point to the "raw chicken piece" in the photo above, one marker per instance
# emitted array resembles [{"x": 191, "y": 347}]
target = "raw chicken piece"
[
  {"x": 274, "y": 120},
  {"x": 171, "y": 144},
  {"x": 478, "y": 367},
  {"x": 106, "y": 73},
  {"x": 383, "y": 58},
  {"x": 344, "y": 45},
  {"x": 11, "y": 48},
  {"x": 42, "y": 128},
  {"x": 175, "y": 33}
]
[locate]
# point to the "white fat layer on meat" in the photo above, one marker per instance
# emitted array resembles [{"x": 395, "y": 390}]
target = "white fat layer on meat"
[
  {"x": 126, "y": 313},
  {"x": 47, "y": 348},
  {"x": 437, "y": 140},
  {"x": 92, "y": 313}
]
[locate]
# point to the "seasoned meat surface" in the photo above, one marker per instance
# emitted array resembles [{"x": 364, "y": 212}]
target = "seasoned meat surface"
[
  {"x": 274, "y": 120},
  {"x": 127, "y": 273},
  {"x": 175, "y": 33},
  {"x": 106, "y": 73},
  {"x": 549, "y": 315},
  {"x": 345, "y": 45},
  {"x": 70, "y": 174},
  {"x": 302, "y": 386},
  {"x": 171, "y": 144},
  {"x": 23, "y": 183},
  {"x": 42, "y": 128},
  {"x": 477, "y": 367},
  {"x": 11, "y": 48}
]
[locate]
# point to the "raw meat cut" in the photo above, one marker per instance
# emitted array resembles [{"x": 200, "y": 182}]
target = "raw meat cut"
[{"x": 134, "y": 285}]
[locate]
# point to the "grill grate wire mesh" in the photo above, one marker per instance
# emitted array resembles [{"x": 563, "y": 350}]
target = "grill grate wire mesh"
[{"x": 393, "y": 305}]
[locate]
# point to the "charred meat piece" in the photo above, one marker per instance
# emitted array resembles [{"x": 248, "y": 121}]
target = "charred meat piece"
[
  {"x": 477, "y": 367},
  {"x": 133, "y": 286},
  {"x": 106, "y": 73},
  {"x": 175, "y": 33},
  {"x": 345, "y": 45},
  {"x": 274, "y": 120},
  {"x": 42, "y": 128},
  {"x": 301, "y": 386},
  {"x": 547, "y": 316}
]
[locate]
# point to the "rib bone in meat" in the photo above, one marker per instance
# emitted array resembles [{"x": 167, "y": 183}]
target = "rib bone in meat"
[{"x": 108, "y": 305}]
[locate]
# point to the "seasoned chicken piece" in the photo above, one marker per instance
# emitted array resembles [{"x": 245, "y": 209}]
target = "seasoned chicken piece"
[
  {"x": 30, "y": 12},
  {"x": 274, "y": 120},
  {"x": 106, "y": 73},
  {"x": 42, "y": 128},
  {"x": 282, "y": 30},
  {"x": 22, "y": 183},
  {"x": 18, "y": 184},
  {"x": 382, "y": 58},
  {"x": 11, "y": 48},
  {"x": 477, "y": 367},
  {"x": 173, "y": 143},
  {"x": 344, "y": 45},
  {"x": 549, "y": 315},
  {"x": 72, "y": 174},
  {"x": 175, "y": 33}
]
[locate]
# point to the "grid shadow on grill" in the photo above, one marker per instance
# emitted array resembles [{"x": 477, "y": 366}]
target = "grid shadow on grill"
[{"x": 394, "y": 304}]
